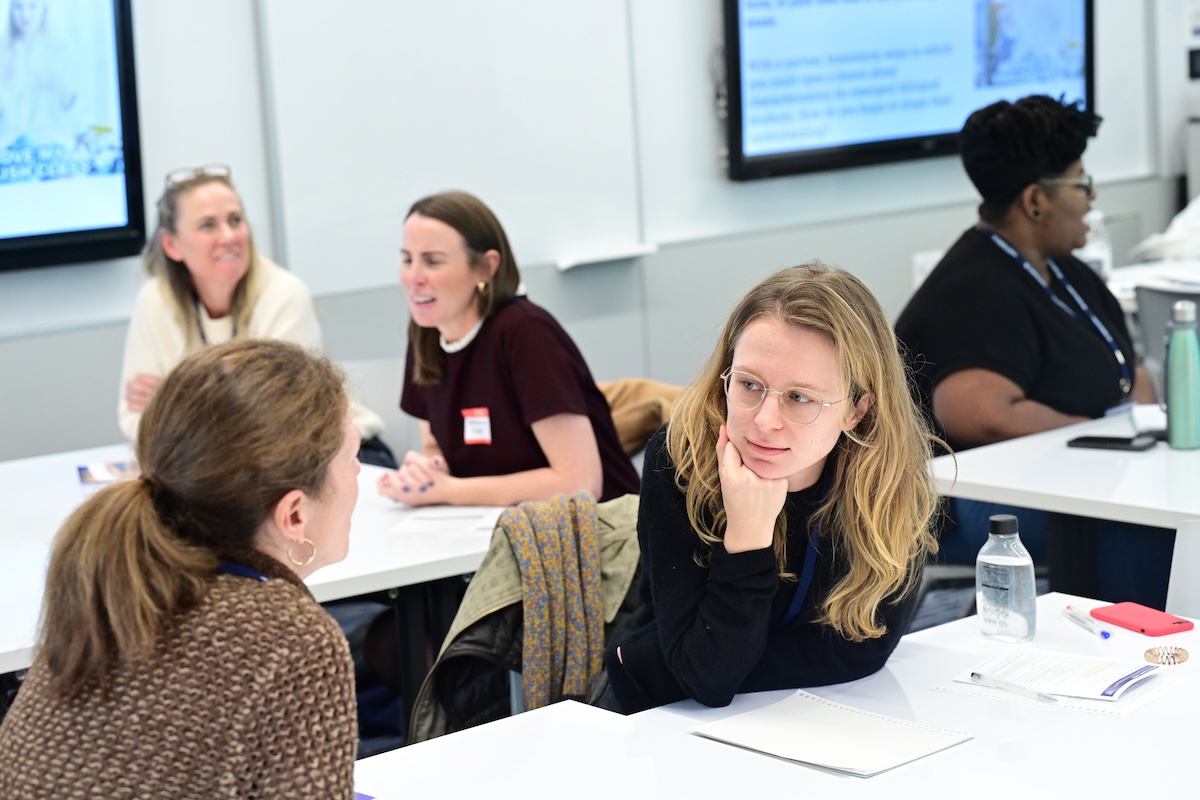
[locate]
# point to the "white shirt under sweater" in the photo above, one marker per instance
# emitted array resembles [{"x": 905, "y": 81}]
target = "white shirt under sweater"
[{"x": 157, "y": 339}]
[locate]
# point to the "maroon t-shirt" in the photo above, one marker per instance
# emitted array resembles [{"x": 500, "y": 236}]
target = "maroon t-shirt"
[{"x": 521, "y": 367}]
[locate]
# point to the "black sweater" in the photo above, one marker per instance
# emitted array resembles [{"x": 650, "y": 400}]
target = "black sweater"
[{"x": 711, "y": 632}]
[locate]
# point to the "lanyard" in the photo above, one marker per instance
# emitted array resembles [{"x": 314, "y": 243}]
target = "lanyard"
[
  {"x": 200, "y": 325},
  {"x": 1126, "y": 374},
  {"x": 806, "y": 576},
  {"x": 229, "y": 568}
]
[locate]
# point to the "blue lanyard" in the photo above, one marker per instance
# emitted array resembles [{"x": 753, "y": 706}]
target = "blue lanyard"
[
  {"x": 1126, "y": 373},
  {"x": 229, "y": 568},
  {"x": 806, "y": 576}
]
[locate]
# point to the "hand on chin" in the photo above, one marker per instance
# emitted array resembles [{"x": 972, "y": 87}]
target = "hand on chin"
[{"x": 752, "y": 501}]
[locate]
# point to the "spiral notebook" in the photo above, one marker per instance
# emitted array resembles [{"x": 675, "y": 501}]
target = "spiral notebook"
[{"x": 812, "y": 730}]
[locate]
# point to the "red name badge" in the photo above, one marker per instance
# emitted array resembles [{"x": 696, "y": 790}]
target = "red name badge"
[{"x": 477, "y": 426}]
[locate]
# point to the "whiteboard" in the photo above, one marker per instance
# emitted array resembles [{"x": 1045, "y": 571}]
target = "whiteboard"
[{"x": 372, "y": 104}]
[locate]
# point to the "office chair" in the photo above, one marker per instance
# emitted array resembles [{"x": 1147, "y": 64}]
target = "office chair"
[
  {"x": 1154, "y": 307},
  {"x": 558, "y": 574}
]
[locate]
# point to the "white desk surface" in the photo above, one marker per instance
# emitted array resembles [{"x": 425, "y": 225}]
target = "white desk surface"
[
  {"x": 1179, "y": 275},
  {"x": 387, "y": 548},
  {"x": 1159, "y": 487},
  {"x": 1019, "y": 749}
]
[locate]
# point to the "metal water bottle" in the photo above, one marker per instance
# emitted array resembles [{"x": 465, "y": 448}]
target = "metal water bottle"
[
  {"x": 1183, "y": 378},
  {"x": 1005, "y": 586}
]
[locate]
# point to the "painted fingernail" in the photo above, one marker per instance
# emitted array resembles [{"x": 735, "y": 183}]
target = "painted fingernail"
[{"x": 405, "y": 489}]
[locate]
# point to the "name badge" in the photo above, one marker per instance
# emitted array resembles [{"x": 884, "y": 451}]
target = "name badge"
[{"x": 477, "y": 426}]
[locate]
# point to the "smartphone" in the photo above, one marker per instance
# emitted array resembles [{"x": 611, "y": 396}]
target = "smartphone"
[
  {"x": 1143, "y": 619},
  {"x": 1143, "y": 441}
]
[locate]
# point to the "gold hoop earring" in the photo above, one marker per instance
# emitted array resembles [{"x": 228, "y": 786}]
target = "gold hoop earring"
[
  {"x": 312, "y": 553},
  {"x": 481, "y": 286}
]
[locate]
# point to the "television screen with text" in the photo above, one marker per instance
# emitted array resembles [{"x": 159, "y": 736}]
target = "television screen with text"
[{"x": 826, "y": 84}]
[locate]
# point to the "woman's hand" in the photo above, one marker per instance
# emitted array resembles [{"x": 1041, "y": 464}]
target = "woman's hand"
[
  {"x": 752, "y": 503},
  {"x": 421, "y": 481},
  {"x": 139, "y": 390}
]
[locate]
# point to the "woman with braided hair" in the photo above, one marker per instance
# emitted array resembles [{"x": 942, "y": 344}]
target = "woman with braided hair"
[{"x": 1011, "y": 334}]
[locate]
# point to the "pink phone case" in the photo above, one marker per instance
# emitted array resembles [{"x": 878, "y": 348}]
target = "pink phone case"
[{"x": 1143, "y": 619}]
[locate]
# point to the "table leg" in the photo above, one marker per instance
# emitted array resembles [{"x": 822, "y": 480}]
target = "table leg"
[
  {"x": 408, "y": 607},
  {"x": 1072, "y": 553}
]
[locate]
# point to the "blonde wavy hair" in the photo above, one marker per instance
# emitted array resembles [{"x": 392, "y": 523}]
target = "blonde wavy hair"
[{"x": 878, "y": 513}]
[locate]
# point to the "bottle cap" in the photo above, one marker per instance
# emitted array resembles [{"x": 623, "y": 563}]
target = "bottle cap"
[
  {"x": 1003, "y": 524},
  {"x": 1184, "y": 311}
]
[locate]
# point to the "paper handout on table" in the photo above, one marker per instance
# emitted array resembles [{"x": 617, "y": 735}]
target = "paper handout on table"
[
  {"x": 812, "y": 730},
  {"x": 452, "y": 519},
  {"x": 1090, "y": 677},
  {"x": 108, "y": 471},
  {"x": 92, "y": 477}
]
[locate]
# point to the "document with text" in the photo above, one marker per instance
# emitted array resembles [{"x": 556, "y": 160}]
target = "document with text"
[{"x": 1090, "y": 677}]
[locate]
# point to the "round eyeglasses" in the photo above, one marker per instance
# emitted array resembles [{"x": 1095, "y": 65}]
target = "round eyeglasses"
[{"x": 798, "y": 406}]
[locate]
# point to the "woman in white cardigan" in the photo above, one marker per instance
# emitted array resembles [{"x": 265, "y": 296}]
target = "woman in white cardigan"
[{"x": 208, "y": 285}]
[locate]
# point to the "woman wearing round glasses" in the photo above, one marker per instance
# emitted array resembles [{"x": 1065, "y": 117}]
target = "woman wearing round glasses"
[
  {"x": 209, "y": 285},
  {"x": 1011, "y": 334},
  {"x": 785, "y": 508}
]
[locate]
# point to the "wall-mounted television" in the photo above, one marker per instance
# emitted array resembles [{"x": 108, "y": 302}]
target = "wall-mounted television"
[
  {"x": 827, "y": 84},
  {"x": 70, "y": 163}
]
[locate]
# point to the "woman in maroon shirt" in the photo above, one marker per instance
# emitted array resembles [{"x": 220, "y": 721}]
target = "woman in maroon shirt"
[{"x": 508, "y": 409}]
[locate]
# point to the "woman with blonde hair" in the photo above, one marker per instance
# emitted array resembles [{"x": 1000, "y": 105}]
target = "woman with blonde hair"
[
  {"x": 208, "y": 284},
  {"x": 180, "y": 653},
  {"x": 786, "y": 507}
]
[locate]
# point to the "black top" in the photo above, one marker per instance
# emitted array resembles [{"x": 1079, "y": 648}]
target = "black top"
[
  {"x": 521, "y": 367},
  {"x": 711, "y": 632},
  {"x": 980, "y": 308}
]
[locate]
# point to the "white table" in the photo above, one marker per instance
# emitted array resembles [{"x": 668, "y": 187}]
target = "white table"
[
  {"x": 387, "y": 551},
  {"x": 1019, "y": 750},
  {"x": 1176, "y": 275},
  {"x": 37, "y": 495},
  {"x": 1158, "y": 487}
]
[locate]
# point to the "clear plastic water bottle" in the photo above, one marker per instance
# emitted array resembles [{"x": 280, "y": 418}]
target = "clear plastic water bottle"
[
  {"x": 1183, "y": 378},
  {"x": 1005, "y": 588}
]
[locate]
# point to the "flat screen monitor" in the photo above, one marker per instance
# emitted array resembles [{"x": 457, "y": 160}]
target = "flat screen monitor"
[
  {"x": 70, "y": 165},
  {"x": 827, "y": 84}
]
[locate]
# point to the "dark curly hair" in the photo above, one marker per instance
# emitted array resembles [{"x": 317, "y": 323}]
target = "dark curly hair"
[{"x": 1007, "y": 146}]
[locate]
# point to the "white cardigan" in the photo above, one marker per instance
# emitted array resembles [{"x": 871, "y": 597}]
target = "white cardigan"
[{"x": 158, "y": 338}]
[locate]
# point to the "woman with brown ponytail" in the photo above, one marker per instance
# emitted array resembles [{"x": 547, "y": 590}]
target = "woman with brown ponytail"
[{"x": 180, "y": 652}]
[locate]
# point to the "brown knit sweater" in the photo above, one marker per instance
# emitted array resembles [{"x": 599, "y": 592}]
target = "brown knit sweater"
[{"x": 251, "y": 695}]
